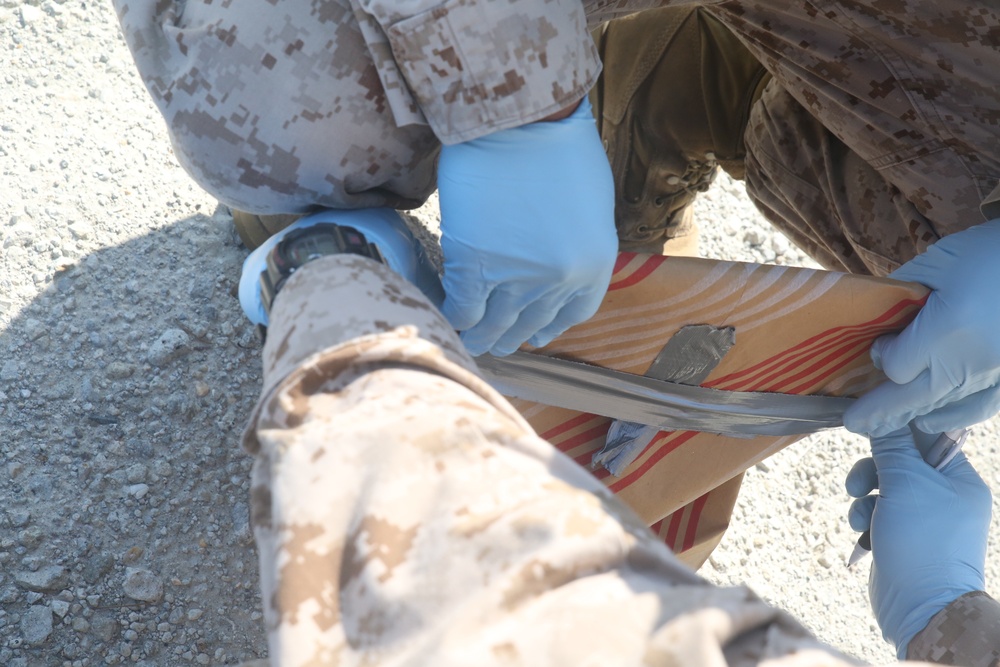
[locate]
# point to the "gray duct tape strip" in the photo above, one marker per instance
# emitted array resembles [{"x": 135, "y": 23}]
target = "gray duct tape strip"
[
  {"x": 688, "y": 358},
  {"x": 692, "y": 354},
  {"x": 665, "y": 405}
]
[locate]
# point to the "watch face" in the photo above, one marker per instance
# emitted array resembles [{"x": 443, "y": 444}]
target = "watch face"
[{"x": 310, "y": 246}]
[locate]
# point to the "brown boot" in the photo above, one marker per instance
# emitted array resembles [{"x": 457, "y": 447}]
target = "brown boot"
[
  {"x": 671, "y": 107},
  {"x": 255, "y": 229}
]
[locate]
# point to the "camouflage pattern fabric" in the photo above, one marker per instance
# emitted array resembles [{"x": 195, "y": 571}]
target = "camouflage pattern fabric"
[
  {"x": 863, "y": 149},
  {"x": 882, "y": 134},
  {"x": 285, "y": 105},
  {"x": 908, "y": 86},
  {"x": 405, "y": 513},
  {"x": 824, "y": 197},
  {"x": 964, "y": 633}
]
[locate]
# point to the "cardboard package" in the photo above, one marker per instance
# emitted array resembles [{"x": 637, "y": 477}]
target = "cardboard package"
[{"x": 797, "y": 331}]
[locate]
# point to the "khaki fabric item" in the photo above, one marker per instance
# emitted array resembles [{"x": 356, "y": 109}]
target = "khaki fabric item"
[
  {"x": 288, "y": 106},
  {"x": 671, "y": 106},
  {"x": 405, "y": 514}
]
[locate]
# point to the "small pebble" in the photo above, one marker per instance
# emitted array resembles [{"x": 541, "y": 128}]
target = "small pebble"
[
  {"x": 36, "y": 625},
  {"x": 46, "y": 579},
  {"x": 754, "y": 237},
  {"x": 136, "y": 473},
  {"x": 10, "y": 370},
  {"x": 171, "y": 344},
  {"x": 142, "y": 585},
  {"x": 60, "y": 608},
  {"x": 30, "y": 14},
  {"x": 138, "y": 491}
]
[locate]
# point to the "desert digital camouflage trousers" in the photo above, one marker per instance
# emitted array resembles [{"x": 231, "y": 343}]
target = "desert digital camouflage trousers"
[
  {"x": 405, "y": 514},
  {"x": 877, "y": 134}
]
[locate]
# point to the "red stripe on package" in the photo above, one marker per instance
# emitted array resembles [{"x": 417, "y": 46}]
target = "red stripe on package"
[{"x": 797, "y": 331}]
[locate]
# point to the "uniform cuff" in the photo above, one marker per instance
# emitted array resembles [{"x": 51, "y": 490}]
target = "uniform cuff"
[
  {"x": 347, "y": 313},
  {"x": 476, "y": 67},
  {"x": 966, "y": 633}
]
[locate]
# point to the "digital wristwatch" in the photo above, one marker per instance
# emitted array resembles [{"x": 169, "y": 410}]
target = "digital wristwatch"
[{"x": 301, "y": 246}]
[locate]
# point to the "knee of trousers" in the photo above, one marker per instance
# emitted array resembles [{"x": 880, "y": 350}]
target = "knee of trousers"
[
  {"x": 284, "y": 164},
  {"x": 277, "y": 109}
]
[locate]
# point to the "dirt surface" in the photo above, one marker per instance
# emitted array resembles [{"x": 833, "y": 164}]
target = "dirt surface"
[{"x": 127, "y": 372}]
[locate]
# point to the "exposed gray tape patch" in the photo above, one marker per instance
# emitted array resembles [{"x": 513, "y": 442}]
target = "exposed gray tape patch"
[
  {"x": 689, "y": 357},
  {"x": 692, "y": 354},
  {"x": 665, "y": 405}
]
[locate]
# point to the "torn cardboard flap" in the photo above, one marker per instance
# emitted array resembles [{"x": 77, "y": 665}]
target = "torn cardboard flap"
[{"x": 798, "y": 331}]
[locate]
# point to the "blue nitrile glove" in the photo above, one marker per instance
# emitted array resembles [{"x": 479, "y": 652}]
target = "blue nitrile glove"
[
  {"x": 527, "y": 230},
  {"x": 382, "y": 226},
  {"x": 945, "y": 366},
  {"x": 928, "y": 531}
]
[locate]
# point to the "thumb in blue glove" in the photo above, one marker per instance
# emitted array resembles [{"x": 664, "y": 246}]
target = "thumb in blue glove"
[
  {"x": 527, "y": 232},
  {"x": 928, "y": 531},
  {"x": 944, "y": 368}
]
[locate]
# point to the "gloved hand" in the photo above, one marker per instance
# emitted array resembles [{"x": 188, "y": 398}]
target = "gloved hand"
[
  {"x": 928, "y": 531},
  {"x": 945, "y": 366},
  {"x": 527, "y": 231}
]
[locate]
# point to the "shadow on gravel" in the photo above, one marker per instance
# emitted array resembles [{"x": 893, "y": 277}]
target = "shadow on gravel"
[{"x": 124, "y": 388}]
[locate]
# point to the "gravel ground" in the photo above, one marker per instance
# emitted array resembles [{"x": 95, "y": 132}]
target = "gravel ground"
[{"x": 127, "y": 372}]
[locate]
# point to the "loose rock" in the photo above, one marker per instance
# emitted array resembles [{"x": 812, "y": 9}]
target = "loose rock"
[
  {"x": 142, "y": 585},
  {"x": 118, "y": 370},
  {"x": 46, "y": 580},
  {"x": 60, "y": 608},
  {"x": 10, "y": 371},
  {"x": 171, "y": 344},
  {"x": 19, "y": 518},
  {"x": 36, "y": 625},
  {"x": 30, "y": 14},
  {"x": 136, "y": 473}
]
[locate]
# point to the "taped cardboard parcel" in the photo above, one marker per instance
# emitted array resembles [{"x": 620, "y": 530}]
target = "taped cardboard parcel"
[{"x": 798, "y": 331}]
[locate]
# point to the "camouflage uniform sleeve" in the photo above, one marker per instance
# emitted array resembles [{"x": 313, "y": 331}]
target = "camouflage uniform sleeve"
[
  {"x": 965, "y": 633},
  {"x": 472, "y": 67},
  {"x": 405, "y": 513}
]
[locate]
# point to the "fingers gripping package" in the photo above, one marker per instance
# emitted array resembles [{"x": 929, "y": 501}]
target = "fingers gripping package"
[{"x": 743, "y": 339}]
